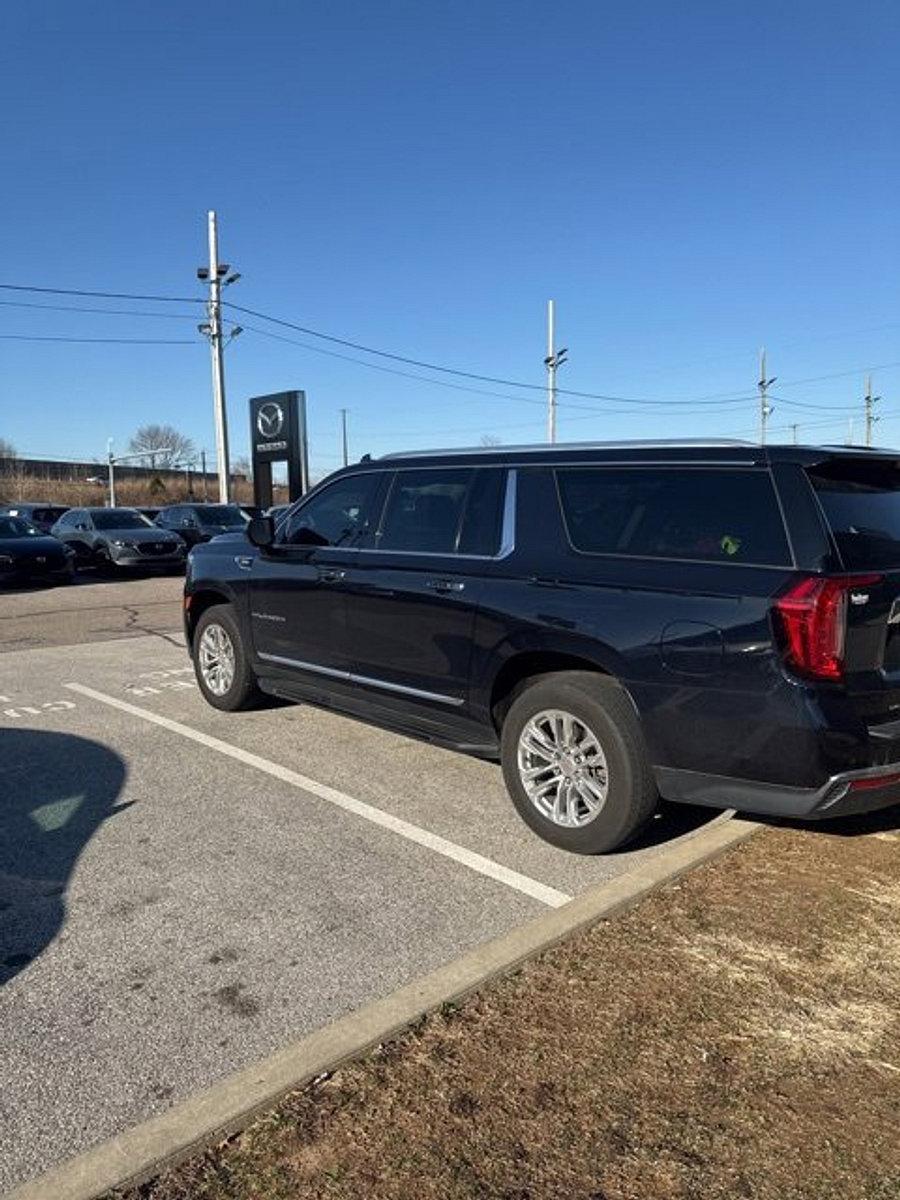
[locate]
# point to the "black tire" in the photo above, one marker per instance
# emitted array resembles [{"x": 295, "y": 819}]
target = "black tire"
[
  {"x": 601, "y": 705},
  {"x": 243, "y": 691}
]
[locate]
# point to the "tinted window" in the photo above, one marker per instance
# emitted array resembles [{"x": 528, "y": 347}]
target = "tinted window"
[
  {"x": 424, "y": 510},
  {"x": 483, "y": 519},
  {"x": 16, "y": 527},
  {"x": 714, "y": 515},
  {"x": 119, "y": 518},
  {"x": 220, "y": 514},
  {"x": 861, "y": 501},
  {"x": 336, "y": 515},
  {"x": 47, "y": 514}
]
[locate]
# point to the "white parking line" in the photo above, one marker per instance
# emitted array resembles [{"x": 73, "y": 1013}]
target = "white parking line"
[{"x": 413, "y": 833}]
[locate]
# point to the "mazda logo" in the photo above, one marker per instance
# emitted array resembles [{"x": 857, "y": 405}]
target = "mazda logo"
[{"x": 270, "y": 419}]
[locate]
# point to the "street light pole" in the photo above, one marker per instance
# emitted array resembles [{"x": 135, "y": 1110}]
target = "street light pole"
[
  {"x": 214, "y": 312},
  {"x": 553, "y": 361},
  {"x": 344, "y": 434}
]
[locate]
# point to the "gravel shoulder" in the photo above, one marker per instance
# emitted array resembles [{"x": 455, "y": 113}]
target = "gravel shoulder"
[{"x": 734, "y": 1036}]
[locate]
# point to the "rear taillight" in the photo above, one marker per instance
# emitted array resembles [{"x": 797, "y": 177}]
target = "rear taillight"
[{"x": 813, "y": 619}]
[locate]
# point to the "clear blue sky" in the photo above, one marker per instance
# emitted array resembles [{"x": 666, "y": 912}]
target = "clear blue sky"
[{"x": 688, "y": 181}]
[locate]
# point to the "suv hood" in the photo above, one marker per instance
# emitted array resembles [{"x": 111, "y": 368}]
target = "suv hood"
[{"x": 141, "y": 535}]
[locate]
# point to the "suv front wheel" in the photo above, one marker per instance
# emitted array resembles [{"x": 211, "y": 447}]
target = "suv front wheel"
[
  {"x": 220, "y": 661},
  {"x": 575, "y": 764}
]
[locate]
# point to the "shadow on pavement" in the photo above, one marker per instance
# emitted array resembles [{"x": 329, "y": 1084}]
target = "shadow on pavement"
[
  {"x": 883, "y": 820},
  {"x": 56, "y": 790},
  {"x": 669, "y": 822}
]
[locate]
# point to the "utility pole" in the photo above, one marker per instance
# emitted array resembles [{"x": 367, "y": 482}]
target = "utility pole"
[
  {"x": 849, "y": 431},
  {"x": 871, "y": 401},
  {"x": 794, "y": 432},
  {"x": 344, "y": 434},
  {"x": 553, "y": 361},
  {"x": 765, "y": 408},
  {"x": 215, "y": 274},
  {"x": 205, "y": 480}
]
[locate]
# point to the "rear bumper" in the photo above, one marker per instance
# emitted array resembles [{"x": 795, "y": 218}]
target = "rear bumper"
[{"x": 846, "y": 794}]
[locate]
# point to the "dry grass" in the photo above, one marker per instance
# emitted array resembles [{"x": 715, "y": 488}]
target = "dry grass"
[
  {"x": 155, "y": 491},
  {"x": 735, "y": 1036}
]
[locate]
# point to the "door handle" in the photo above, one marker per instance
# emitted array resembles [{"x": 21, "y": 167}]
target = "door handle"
[
  {"x": 331, "y": 575},
  {"x": 445, "y": 585}
]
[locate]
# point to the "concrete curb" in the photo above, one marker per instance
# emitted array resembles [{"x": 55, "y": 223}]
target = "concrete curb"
[{"x": 221, "y": 1110}]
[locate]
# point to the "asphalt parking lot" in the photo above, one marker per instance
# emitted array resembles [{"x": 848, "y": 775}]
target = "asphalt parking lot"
[{"x": 183, "y": 891}]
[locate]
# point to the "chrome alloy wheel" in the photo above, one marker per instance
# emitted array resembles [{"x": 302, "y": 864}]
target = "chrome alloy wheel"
[
  {"x": 562, "y": 768},
  {"x": 216, "y": 659}
]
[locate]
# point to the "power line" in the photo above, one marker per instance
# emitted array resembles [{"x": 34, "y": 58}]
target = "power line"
[
  {"x": 429, "y": 366},
  {"x": 21, "y": 287},
  {"x": 724, "y": 406},
  {"x": 27, "y": 337},
  {"x": 113, "y": 312}
]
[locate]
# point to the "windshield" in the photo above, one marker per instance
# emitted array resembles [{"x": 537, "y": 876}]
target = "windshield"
[
  {"x": 861, "y": 501},
  {"x": 16, "y": 527},
  {"x": 120, "y": 518},
  {"x": 222, "y": 514}
]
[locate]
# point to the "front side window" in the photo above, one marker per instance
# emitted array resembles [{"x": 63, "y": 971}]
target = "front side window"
[
  {"x": 335, "y": 516},
  {"x": 671, "y": 512},
  {"x": 424, "y": 511}
]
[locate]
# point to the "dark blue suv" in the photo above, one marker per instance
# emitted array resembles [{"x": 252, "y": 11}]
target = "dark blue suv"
[{"x": 713, "y": 623}]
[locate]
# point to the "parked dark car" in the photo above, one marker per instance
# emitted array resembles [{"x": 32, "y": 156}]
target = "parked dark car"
[
  {"x": 41, "y": 516},
  {"x": 28, "y": 554},
  {"x": 114, "y": 539},
  {"x": 200, "y": 522},
  {"x": 715, "y": 623}
]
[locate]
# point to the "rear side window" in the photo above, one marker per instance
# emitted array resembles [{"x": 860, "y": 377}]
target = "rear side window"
[
  {"x": 861, "y": 502},
  {"x": 424, "y": 511},
  {"x": 670, "y": 512}
]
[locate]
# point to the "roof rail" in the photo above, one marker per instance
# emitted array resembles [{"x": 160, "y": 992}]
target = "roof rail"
[{"x": 535, "y": 448}]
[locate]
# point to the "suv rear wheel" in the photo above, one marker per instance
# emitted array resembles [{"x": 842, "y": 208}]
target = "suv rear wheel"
[
  {"x": 220, "y": 661},
  {"x": 575, "y": 764}
]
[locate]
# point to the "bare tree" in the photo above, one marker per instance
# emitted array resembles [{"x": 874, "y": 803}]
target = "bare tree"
[
  {"x": 162, "y": 446},
  {"x": 490, "y": 439},
  {"x": 7, "y": 449},
  {"x": 242, "y": 466}
]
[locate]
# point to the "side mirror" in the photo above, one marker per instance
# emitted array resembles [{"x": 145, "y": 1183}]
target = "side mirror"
[{"x": 261, "y": 531}]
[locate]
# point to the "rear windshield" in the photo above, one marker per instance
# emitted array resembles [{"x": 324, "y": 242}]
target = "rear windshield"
[
  {"x": 861, "y": 502},
  {"x": 222, "y": 514},
  {"x": 674, "y": 512}
]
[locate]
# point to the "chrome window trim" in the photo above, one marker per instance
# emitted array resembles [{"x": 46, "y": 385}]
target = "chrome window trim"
[
  {"x": 507, "y": 530},
  {"x": 350, "y": 677}
]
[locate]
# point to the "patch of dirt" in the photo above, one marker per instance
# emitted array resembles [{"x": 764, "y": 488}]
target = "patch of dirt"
[{"x": 736, "y": 1035}]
